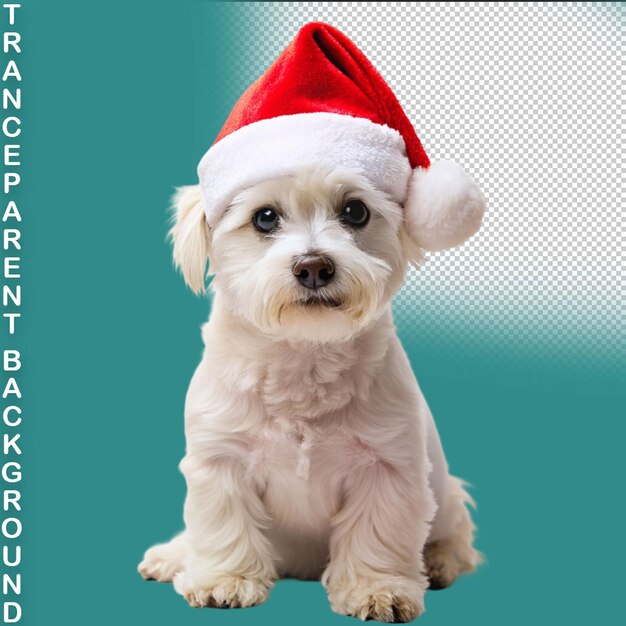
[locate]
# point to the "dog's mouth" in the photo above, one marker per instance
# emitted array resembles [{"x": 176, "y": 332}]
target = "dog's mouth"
[{"x": 319, "y": 301}]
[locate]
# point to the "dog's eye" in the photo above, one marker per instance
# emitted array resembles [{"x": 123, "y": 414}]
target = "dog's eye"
[
  {"x": 355, "y": 213},
  {"x": 265, "y": 220}
]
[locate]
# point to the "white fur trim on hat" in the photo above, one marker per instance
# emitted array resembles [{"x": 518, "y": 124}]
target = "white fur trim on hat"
[
  {"x": 444, "y": 206},
  {"x": 278, "y": 146}
]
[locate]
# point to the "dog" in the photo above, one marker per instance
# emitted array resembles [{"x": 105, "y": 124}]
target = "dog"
[{"x": 311, "y": 451}]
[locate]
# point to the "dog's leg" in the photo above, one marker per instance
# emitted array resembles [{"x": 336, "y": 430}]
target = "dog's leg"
[
  {"x": 375, "y": 571},
  {"x": 163, "y": 561},
  {"x": 449, "y": 551},
  {"x": 229, "y": 563}
]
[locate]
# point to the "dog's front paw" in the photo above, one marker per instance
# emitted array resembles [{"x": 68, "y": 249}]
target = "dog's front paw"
[
  {"x": 222, "y": 591},
  {"x": 396, "y": 600}
]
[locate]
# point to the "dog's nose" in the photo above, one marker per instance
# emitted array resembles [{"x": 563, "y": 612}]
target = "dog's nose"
[{"x": 313, "y": 270}]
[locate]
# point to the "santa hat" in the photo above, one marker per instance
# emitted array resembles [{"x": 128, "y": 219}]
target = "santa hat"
[{"x": 323, "y": 103}]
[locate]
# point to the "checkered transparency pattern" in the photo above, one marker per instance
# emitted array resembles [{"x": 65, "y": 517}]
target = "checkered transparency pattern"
[{"x": 529, "y": 98}]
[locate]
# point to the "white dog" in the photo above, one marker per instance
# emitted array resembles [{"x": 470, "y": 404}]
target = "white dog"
[{"x": 311, "y": 451}]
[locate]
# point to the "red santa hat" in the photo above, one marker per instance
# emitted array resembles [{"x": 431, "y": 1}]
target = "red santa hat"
[{"x": 323, "y": 103}]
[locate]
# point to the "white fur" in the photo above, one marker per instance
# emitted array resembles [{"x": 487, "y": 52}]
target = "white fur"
[
  {"x": 444, "y": 206},
  {"x": 190, "y": 236},
  {"x": 282, "y": 145},
  {"x": 311, "y": 451}
]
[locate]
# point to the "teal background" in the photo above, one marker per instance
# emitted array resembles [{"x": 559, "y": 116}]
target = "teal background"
[{"x": 120, "y": 102}]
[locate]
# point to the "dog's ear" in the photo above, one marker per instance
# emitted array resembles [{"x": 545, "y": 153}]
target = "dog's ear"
[
  {"x": 413, "y": 253},
  {"x": 191, "y": 236}
]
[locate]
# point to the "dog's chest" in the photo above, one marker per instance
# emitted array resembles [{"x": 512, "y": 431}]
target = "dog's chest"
[
  {"x": 296, "y": 470},
  {"x": 309, "y": 384},
  {"x": 298, "y": 450}
]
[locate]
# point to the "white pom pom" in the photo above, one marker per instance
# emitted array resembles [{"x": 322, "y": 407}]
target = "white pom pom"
[{"x": 444, "y": 206}]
